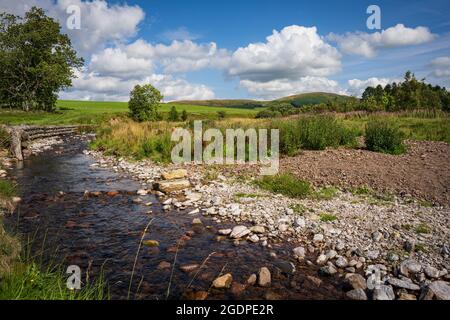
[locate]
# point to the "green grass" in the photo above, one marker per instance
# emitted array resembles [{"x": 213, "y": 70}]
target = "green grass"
[
  {"x": 31, "y": 282},
  {"x": 381, "y": 136},
  {"x": 326, "y": 193},
  {"x": 95, "y": 112},
  {"x": 414, "y": 127},
  {"x": 327, "y": 217},
  {"x": 285, "y": 184},
  {"x": 422, "y": 229},
  {"x": 7, "y": 189}
]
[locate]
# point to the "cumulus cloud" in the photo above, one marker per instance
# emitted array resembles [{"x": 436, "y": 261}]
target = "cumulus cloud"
[
  {"x": 101, "y": 23},
  {"x": 284, "y": 87},
  {"x": 356, "y": 87},
  {"x": 181, "y": 56},
  {"x": 368, "y": 44},
  {"x": 295, "y": 51},
  {"x": 115, "y": 62},
  {"x": 181, "y": 33},
  {"x": 93, "y": 86},
  {"x": 441, "y": 66}
]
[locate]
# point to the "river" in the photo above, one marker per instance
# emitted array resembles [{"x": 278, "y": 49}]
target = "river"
[{"x": 101, "y": 234}]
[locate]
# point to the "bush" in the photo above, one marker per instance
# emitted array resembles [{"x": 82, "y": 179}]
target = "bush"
[
  {"x": 383, "y": 137},
  {"x": 184, "y": 115},
  {"x": 263, "y": 114},
  {"x": 173, "y": 114},
  {"x": 317, "y": 133},
  {"x": 144, "y": 103},
  {"x": 285, "y": 184}
]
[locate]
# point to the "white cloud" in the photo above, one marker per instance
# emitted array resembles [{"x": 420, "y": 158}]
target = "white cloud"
[
  {"x": 182, "y": 33},
  {"x": 115, "y": 62},
  {"x": 441, "y": 66},
  {"x": 284, "y": 87},
  {"x": 101, "y": 23},
  {"x": 295, "y": 51},
  {"x": 367, "y": 44},
  {"x": 180, "y": 56},
  {"x": 356, "y": 87},
  {"x": 93, "y": 86}
]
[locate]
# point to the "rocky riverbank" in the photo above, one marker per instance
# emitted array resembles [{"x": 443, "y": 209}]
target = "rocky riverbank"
[{"x": 381, "y": 248}]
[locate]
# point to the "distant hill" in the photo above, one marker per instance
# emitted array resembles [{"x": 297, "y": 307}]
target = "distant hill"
[
  {"x": 302, "y": 99},
  {"x": 230, "y": 103},
  {"x": 297, "y": 100}
]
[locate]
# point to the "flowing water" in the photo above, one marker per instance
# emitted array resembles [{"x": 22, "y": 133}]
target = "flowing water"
[{"x": 101, "y": 234}]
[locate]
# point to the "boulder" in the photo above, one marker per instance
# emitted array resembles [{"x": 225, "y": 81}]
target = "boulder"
[
  {"x": 175, "y": 174},
  {"x": 356, "y": 294},
  {"x": 173, "y": 185},
  {"x": 356, "y": 281},
  {"x": 239, "y": 232},
  {"x": 383, "y": 292},
  {"x": 409, "y": 285},
  {"x": 223, "y": 281},
  {"x": 437, "y": 290}
]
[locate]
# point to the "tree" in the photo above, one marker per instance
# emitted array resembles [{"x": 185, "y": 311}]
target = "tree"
[
  {"x": 36, "y": 60},
  {"x": 144, "y": 103},
  {"x": 184, "y": 115},
  {"x": 173, "y": 114}
]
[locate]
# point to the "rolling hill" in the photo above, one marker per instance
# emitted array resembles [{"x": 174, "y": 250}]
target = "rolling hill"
[{"x": 296, "y": 100}]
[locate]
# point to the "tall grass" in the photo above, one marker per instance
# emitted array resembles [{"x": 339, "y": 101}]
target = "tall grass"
[
  {"x": 136, "y": 140},
  {"x": 285, "y": 184}
]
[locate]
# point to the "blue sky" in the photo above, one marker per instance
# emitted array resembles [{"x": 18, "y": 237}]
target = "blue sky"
[{"x": 220, "y": 49}]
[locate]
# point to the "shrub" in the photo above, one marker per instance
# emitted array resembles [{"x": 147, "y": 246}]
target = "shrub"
[
  {"x": 317, "y": 133},
  {"x": 173, "y": 114},
  {"x": 144, "y": 103},
  {"x": 267, "y": 114},
  {"x": 285, "y": 184},
  {"x": 384, "y": 137},
  {"x": 184, "y": 115},
  {"x": 221, "y": 114}
]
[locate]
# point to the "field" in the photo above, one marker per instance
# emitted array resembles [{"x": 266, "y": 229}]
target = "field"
[{"x": 94, "y": 112}]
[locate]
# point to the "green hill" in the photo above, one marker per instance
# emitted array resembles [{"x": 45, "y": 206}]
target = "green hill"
[{"x": 297, "y": 100}]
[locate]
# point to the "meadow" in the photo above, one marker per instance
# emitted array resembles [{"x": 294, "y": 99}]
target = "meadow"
[{"x": 95, "y": 112}]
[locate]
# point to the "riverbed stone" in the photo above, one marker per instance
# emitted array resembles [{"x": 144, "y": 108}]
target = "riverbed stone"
[
  {"x": 409, "y": 285},
  {"x": 432, "y": 272},
  {"x": 356, "y": 281},
  {"x": 356, "y": 294},
  {"x": 150, "y": 243},
  {"x": 341, "y": 262},
  {"x": 174, "y": 174},
  {"x": 409, "y": 267},
  {"x": 239, "y": 232},
  {"x": 437, "y": 290},
  {"x": 173, "y": 185},
  {"x": 252, "y": 279},
  {"x": 223, "y": 281},
  {"x": 257, "y": 229},
  {"x": 264, "y": 278},
  {"x": 224, "y": 232},
  {"x": 383, "y": 292},
  {"x": 299, "y": 252},
  {"x": 189, "y": 267}
]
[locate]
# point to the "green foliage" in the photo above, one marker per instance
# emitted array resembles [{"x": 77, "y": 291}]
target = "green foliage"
[
  {"x": 285, "y": 184},
  {"x": 173, "y": 114},
  {"x": 184, "y": 115},
  {"x": 267, "y": 114},
  {"x": 410, "y": 94},
  {"x": 36, "y": 61},
  {"x": 7, "y": 189},
  {"x": 317, "y": 133},
  {"x": 326, "y": 193},
  {"x": 30, "y": 282},
  {"x": 144, "y": 103},
  {"x": 381, "y": 136}
]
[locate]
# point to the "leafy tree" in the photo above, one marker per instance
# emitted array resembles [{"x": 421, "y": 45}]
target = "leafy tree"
[
  {"x": 173, "y": 114},
  {"x": 184, "y": 115},
  {"x": 144, "y": 103},
  {"x": 36, "y": 60}
]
